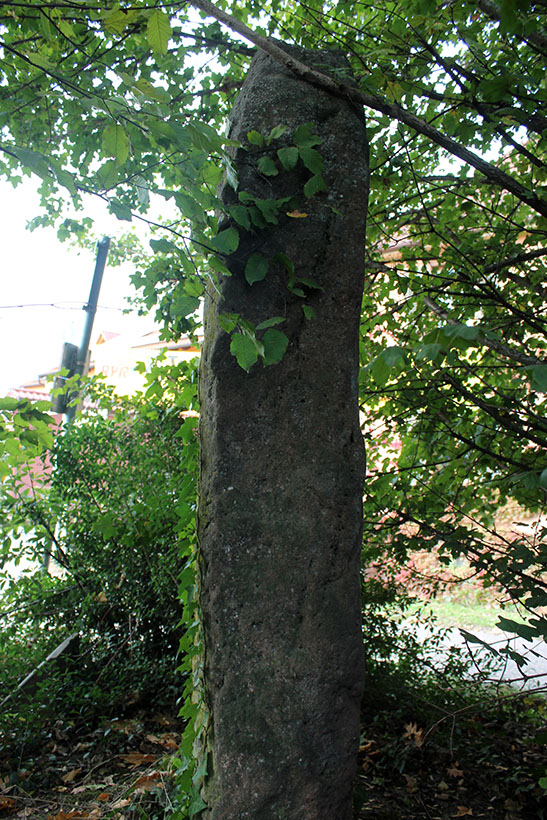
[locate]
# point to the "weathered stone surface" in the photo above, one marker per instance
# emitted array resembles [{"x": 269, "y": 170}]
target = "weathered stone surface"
[{"x": 282, "y": 468}]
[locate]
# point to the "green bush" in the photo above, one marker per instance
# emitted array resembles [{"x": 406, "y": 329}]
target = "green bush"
[{"x": 114, "y": 512}]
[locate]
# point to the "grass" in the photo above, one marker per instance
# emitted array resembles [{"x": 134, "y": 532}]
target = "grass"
[{"x": 470, "y": 614}]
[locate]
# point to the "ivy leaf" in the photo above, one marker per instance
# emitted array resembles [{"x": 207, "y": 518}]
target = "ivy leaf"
[
  {"x": 241, "y": 215},
  {"x": 255, "y": 138},
  {"x": 288, "y": 157},
  {"x": 275, "y": 320},
  {"x": 244, "y": 349},
  {"x": 267, "y": 166},
  {"x": 276, "y": 132},
  {"x": 158, "y": 31},
  {"x": 256, "y": 268},
  {"x": 314, "y": 186},
  {"x": 309, "y": 312},
  {"x": 312, "y": 159},
  {"x": 226, "y": 241},
  {"x": 116, "y": 142},
  {"x": 303, "y": 136},
  {"x": 275, "y": 344}
]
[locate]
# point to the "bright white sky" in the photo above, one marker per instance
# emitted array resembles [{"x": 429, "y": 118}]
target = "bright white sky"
[{"x": 35, "y": 268}]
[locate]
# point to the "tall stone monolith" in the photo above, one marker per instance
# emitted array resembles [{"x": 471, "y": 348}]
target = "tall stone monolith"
[{"x": 282, "y": 468}]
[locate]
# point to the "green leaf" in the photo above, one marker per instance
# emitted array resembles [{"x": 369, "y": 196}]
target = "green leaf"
[
  {"x": 309, "y": 312},
  {"x": 539, "y": 377},
  {"x": 276, "y": 132},
  {"x": 120, "y": 210},
  {"x": 314, "y": 186},
  {"x": 228, "y": 321},
  {"x": 116, "y": 143},
  {"x": 158, "y": 31},
  {"x": 275, "y": 320},
  {"x": 244, "y": 349},
  {"x": 183, "y": 304},
  {"x": 288, "y": 157},
  {"x": 8, "y": 403},
  {"x": 543, "y": 479},
  {"x": 382, "y": 366},
  {"x": 285, "y": 261},
  {"x": 529, "y": 633},
  {"x": 226, "y": 241},
  {"x": 312, "y": 159},
  {"x": 267, "y": 166},
  {"x": 163, "y": 246},
  {"x": 433, "y": 352},
  {"x": 256, "y": 268},
  {"x": 275, "y": 344},
  {"x": 241, "y": 215},
  {"x": 37, "y": 163},
  {"x": 303, "y": 136},
  {"x": 255, "y": 138}
]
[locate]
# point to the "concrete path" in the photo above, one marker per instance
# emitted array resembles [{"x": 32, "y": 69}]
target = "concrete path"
[{"x": 497, "y": 666}]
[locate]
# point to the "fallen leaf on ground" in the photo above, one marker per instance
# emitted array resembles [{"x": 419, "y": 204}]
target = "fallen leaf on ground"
[
  {"x": 454, "y": 771},
  {"x": 7, "y": 804},
  {"x": 70, "y": 815},
  {"x": 137, "y": 758},
  {"x": 147, "y": 782},
  {"x": 413, "y": 733},
  {"x": 103, "y": 797},
  {"x": 120, "y": 804},
  {"x": 70, "y": 776},
  {"x": 462, "y": 811}
]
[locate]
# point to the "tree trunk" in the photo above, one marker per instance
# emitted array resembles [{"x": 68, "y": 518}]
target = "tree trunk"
[{"x": 282, "y": 468}]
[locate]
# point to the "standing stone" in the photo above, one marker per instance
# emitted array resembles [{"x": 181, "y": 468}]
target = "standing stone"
[{"x": 282, "y": 469}]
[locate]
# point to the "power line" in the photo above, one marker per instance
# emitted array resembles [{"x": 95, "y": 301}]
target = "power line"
[{"x": 59, "y": 306}]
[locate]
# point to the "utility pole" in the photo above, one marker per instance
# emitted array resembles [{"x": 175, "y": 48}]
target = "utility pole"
[{"x": 75, "y": 359}]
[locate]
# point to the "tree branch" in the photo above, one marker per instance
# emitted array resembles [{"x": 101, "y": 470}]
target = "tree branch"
[
  {"x": 493, "y": 344},
  {"x": 392, "y": 109}
]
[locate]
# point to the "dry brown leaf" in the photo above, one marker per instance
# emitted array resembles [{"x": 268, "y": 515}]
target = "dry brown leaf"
[
  {"x": 120, "y": 804},
  {"x": 4, "y": 783},
  {"x": 413, "y": 733},
  {"x": 69, "y": 777},
  {"x": 153, "y": 738},
  {"x": 463, "y": 811},
  {"x": 70, "y": 815},
  {"x": 7, "y": 804},
  {"x": 454, "y": 771},
  {"x": 103, "y": 797},
  {"x": 94, "y": 814},
  {"x": 80, "y": 789},
  {"x": 148, "y": 782},
  {"x": 138, "y": 759},
  {"x": 411, "y": 783},
  {"x": 169, "y": 740},
  {"x": 297, "y": 214}
]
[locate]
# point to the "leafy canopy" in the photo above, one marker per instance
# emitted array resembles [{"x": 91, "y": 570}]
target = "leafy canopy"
[{"x": 127, "y": 102}]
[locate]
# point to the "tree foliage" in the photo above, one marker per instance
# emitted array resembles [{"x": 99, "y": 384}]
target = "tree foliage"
[
  {"x": 127, "y": 102},
  {"x": 112, "y": 505}
]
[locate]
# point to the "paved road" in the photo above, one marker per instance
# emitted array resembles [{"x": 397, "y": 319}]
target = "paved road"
[{"x": 531, "y": 675}]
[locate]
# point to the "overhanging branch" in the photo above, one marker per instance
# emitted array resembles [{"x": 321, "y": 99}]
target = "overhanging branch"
[{"x": 391, "y": 109}]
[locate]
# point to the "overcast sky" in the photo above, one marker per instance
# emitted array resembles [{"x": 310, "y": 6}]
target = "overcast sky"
[{"x": 37, "y": 269}]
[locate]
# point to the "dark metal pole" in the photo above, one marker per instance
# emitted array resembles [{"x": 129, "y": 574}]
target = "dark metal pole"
[{"x": 91, "y": 309}]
